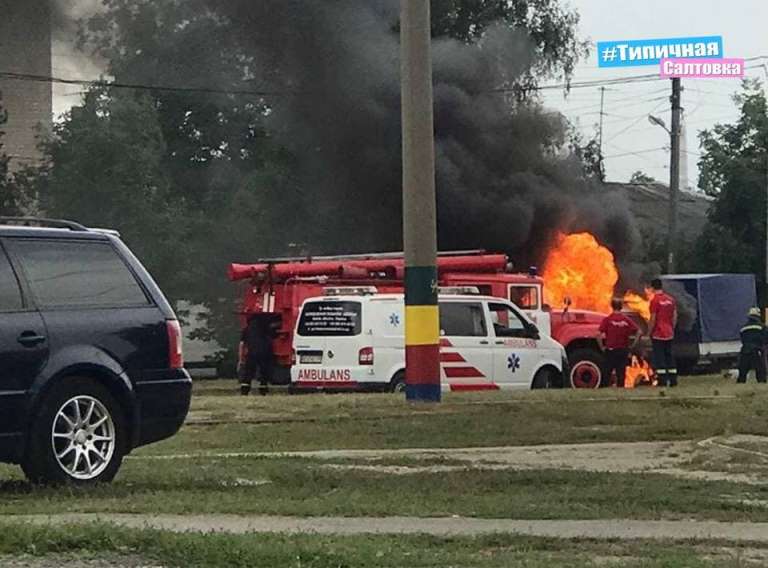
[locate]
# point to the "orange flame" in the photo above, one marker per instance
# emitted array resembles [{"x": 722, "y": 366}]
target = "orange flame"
[
  {"x": 580, "y": 268},
  {"x": 639, "y": 304},
  {"x": 639, "y": 372}
]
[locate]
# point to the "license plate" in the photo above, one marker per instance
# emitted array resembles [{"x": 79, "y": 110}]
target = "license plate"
[{"x": 311, "y": 359}]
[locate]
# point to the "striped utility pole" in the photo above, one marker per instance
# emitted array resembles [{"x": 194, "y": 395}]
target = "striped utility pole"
[{"x": 422, "y": 321}]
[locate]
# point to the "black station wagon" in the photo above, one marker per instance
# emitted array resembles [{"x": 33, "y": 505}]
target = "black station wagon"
[{"x": 91, "y": 361}]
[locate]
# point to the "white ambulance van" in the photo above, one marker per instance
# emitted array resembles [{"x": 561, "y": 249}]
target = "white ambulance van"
[{"x": 353, "y": 338}]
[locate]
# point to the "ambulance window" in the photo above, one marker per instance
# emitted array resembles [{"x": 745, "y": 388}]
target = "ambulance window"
[
  {"x": 336, "y": 319},
  {"x": 462, "y": 320},
  {"x": 524, "y": 297},
  {"x": 506, "y": 323}
]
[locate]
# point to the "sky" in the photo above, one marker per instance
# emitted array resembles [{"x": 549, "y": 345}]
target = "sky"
[{"x": 630, "y": 142}]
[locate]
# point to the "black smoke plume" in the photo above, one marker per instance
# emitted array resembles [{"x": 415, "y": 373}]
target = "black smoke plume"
[{"x": 503, "y": 180}]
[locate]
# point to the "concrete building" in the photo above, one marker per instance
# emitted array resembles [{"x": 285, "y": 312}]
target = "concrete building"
[{"x": 25, "y": 48}]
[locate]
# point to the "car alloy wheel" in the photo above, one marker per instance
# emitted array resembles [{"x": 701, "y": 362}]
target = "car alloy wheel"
[{"x": 83, "y": 437}]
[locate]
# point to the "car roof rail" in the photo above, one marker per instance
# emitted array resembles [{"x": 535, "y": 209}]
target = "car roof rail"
[
  {"x": 111, "y": 232},
  {"x": 43, "y": 222}
]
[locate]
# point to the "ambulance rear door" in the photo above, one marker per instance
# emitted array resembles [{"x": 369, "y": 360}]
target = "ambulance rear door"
[{"x": 329, "y": 340}]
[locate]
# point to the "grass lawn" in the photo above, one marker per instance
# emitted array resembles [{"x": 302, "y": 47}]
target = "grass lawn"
[
  {"x": 700, "y": 408},
  {"x": 26, "y": 544},
  {"x": 222, "y": 422},
  {"x": 307, "y": 488}
]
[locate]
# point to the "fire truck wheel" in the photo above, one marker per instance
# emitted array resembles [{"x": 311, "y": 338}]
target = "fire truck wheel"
[
  {"x": 586, "y": 368},
  {"x": 398, "y": 382}
]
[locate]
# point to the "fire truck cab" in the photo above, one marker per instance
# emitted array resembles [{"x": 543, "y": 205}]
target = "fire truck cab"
[
  {"x": 353, "y": 338},
  {"x": 526, "y": 291}
]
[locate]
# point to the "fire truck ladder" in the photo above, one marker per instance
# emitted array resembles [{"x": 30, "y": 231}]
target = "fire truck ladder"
[{"x": 382, "y": 255}]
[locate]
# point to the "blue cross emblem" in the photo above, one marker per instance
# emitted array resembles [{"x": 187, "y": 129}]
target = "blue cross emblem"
[
  {"x": 394, "y": 320},
  {"x": 513, "y": 362}
]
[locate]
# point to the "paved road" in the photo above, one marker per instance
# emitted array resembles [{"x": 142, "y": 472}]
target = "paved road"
[{"x": 453, "y": 526}]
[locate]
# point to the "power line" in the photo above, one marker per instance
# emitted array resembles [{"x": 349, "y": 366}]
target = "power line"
[
  {"x": 275, "y": 93},
  {"x": 138, "y": 86},
  {"x": 639, "y": 118},
  {"x": 270, "y": 93},
  {"x": 637, "y": 153}
]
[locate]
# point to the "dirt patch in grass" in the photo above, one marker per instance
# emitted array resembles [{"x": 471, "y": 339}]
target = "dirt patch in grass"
[
  {"x": 84, "y": 559},
  {"x": 687, "y": 460}
]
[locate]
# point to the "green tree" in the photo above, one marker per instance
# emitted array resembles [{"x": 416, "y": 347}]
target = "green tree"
[
  {"x": 104, "y": 167},
  {"x": 733, "y": 170},
  {"x": 588, "y": 156},
  {"x": 550, "y": 26},
  {"x": 641, "y": 177}
]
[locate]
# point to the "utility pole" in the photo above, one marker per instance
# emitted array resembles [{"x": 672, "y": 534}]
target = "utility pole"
[
  {"x": 422, "y": 320},
  {"x": 765, "y": 288},
  {"x": 600, "y": 134},
  {"x": 674, "y": 175},
  {"x": 765, "y": 293}
]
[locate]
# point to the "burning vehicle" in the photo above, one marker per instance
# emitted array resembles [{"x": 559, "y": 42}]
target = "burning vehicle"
[{"x": 567, "y": 301}]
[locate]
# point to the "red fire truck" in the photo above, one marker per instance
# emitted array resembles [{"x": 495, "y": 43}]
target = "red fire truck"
[{"x": 276, "y": 288}]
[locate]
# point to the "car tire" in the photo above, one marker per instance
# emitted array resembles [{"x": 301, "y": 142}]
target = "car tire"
[
  {"x": 78, "y": 436},
  {"x": 586, "y": 368},
  {"x": 397, "y": 384},
  {"x": 545, "y": 378}
]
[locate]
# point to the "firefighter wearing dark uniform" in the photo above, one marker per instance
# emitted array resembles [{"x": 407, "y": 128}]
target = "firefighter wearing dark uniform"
[
  {"x": 256, "y": 355},
  {"x": 752, "y": 356}
]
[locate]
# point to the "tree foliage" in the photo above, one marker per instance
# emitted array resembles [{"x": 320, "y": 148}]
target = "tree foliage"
[
  {"x": 588, "y": 155},
  {"x": 734, "y": 170},
  {"x": 105, "y": 168},
  {"x": 550, "y": 26},
  {"x": 641, "y": 177}
]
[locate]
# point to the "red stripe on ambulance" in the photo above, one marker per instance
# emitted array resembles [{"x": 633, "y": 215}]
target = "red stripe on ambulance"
[
  {"x": 477, "y": 387},
  {"x": 462, "y": 372},
  {"x": 451, "y": 358}
]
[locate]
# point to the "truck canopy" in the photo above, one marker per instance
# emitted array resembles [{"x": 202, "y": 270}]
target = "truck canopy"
[{"x": 722, "y": 303}]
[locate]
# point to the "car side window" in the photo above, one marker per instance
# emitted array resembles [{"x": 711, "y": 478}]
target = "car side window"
[
  {"x": 460, "y": 319},
  {"x": 77, "y": 274},
  {"x": 10, "y": 294},
  {"x": 506, "y": 322}
]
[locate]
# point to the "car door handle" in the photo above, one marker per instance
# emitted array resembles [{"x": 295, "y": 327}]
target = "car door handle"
[
  {"x": 483, "y": 342},
  {"x": 499, "y": 342},
  {"x": 30, "y": 339}
]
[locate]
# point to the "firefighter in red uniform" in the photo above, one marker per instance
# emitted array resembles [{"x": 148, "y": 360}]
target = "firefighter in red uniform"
[
  {"x": 661, "y": 328},
  {"x": 618, "y": 335}
]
